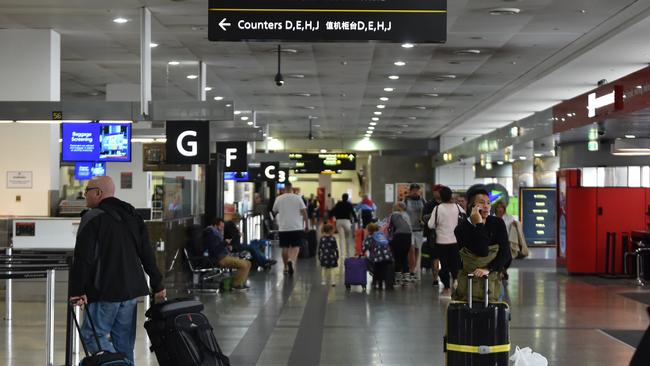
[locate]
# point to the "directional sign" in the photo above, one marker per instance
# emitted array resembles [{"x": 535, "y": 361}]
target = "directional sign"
[{"x": 414, "y": 21}]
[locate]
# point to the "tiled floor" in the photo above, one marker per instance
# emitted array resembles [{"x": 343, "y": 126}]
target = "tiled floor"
[{"x": 284, "y": 321}]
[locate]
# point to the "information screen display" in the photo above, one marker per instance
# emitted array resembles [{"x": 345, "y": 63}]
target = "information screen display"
[
  {"x": 109, "y": 142},
  {"x": 323, "y": 163},
  {"x": 85, "y": 170},
  {"x": 538, "y": 215},
  {"x": 236, "y": 176}
]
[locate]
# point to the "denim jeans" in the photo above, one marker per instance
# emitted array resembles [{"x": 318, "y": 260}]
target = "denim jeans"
[
  {"x": 256, "y": 253},
  {"x": 115, "y": 319}
]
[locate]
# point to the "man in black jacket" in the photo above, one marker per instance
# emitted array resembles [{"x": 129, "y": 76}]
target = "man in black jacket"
[
  {"x": 111, "y": 251},
  {"x": 480, "y": 231}
]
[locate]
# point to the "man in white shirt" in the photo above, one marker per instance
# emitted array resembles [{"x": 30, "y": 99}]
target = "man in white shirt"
[{"x": 291, "y": 214}]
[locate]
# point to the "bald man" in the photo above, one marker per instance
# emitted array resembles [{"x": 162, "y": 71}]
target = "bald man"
[{"x": 111, "y": 251}]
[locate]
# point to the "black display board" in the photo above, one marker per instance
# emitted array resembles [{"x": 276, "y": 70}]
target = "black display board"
[
  {"x": 323, "y": 163},
  {"x": 188, "y": 142},
  {"x": 414, "y": 21},
  {"x": 537, "y": 208}
]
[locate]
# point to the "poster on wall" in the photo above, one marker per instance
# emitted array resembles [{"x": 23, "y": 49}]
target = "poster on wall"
[
  {"x": 126, "y": 180},
  {"x": 19, "y": 179},
  {"x": 389, "y": 193},
  {"x": 402, "y": 190}
]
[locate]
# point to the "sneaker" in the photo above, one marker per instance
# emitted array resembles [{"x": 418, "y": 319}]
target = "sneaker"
[
  {"x": 241, "y": 288},
  {"x": 290, "y": 266},
  {"x": 436, "y": 283},
  {"x": 271, "y": 262}
]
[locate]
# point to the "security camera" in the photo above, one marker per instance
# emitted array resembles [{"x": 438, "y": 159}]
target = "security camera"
[
  {"x": 279, "y": 80},
  {"x": 601, "y": 131},
  {"x": 602, "y": 82}
]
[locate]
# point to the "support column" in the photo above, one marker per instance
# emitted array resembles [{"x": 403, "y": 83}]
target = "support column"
[
  {"x": 202, "y": 81},
  {"x": 31, "y": 72},
  {"x": 145, "y": 60}
]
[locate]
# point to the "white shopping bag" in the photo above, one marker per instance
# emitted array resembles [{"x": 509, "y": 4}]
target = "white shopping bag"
[{"x": 526, "y": 357}]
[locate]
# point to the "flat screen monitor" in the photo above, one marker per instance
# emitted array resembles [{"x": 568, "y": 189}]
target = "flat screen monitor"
[
  {"x": 87, "y": 170},
  {"x": 106, "y": 142},
  {"x": 236, "y": 176}
]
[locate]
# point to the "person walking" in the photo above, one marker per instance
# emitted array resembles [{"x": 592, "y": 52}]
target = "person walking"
[
  {"x": 292, "y": 219},
  {"x": 399, "y": 229},
  {"x": 344, "y": 214},
  {"x": 367, "y": 208},
  {"x": 430, "y": 235},
  {"x": 444, "y": 220},
  {"x": 415, "y": 209},
  {"x": 111, "y": 255},
  {"x": 328, "y": 254}
]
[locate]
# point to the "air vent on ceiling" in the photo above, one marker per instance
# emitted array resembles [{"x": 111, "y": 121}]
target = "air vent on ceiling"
[{"x": 505, "y": 11}]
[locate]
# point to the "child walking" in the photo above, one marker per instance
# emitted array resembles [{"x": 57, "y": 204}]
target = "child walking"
[
  {"x": 328, "y": 254},
  {"x": 380, "y": 257}
]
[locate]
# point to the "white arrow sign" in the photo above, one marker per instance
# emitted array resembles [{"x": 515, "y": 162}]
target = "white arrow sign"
[
  {"x": 223, "y": 24},
  {"x": 594, "y": 103}
]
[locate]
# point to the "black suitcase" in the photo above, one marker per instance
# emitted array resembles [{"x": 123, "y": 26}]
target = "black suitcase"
[
  {"x": 477, "y": 334},
  {"x": 101, "y": 357},
  {"x": 181, "y": 335},
  {"x": 312, "y": 242}
]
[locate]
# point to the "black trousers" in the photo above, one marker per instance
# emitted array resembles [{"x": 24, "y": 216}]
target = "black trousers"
[
  {"x": 449, "y": 262},
  {"x": 401, "y": 244},
  {"x": 382, "y": 274}
]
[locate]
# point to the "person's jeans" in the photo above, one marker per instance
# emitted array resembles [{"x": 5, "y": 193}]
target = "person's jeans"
[
  {"x": 243, "y": 267},
  {"x": 115, "y": 319},
  {"x": 344, "y": 227},
  {"x": 256, "y": 253}
]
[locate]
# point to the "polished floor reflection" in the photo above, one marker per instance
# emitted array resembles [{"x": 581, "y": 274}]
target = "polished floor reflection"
[{"x": 298, "y": 321}]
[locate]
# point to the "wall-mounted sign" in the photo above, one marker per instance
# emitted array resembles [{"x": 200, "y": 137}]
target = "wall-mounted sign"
[
  {"x": 154, "y": 159},
  {"x": 271, "y": 172},
  {"x": 19, "y": 179},
  {"x": 126, "y": 180},
  {"x": 538, "y": 214},
  {"x": 323, "y": 163},
  {"x": 188, "y": 142},
  {"x": 328, "y": 20},
  {"x": 236, "y": 155}
]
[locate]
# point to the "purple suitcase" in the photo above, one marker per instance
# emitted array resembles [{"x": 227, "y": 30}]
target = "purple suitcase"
[{"x": 355, "y": 272}]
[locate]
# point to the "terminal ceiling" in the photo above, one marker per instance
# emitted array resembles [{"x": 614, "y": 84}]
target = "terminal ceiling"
[{"x": 338, "y": 84}]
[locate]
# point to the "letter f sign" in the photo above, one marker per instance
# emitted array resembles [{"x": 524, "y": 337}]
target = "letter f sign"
[
  {"x": 231, "y": 154},
  {"x": 193, "y": 145}
]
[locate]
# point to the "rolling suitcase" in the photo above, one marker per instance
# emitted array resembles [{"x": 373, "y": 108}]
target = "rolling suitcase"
[
  {"x": 477, "y": 334},
  {"x": 181, "y": 335},
  {"x": 355, "y": 272},
  {"x": 312, "y": 243},
  {"x": 99, "y": 358},
  {"x": 358, "y": 241}
]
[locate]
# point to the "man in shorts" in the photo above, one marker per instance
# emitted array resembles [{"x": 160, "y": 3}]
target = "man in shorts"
[
  {"x": 291, "y": 214},
  {"x": 415, "y": 210}
]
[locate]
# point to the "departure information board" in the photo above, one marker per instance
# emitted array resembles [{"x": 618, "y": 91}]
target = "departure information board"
[
  {"x": 538, "y": 215},
  {"x": 331, "y": 163}
]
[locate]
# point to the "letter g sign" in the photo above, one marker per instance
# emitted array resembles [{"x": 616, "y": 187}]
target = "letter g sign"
[
  {"x": 191, "y": 144},
  {"x": 188, "y": 142}
]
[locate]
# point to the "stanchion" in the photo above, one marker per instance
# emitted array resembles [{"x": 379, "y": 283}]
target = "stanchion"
[
  {"x": 49, "y": 318},
  {"x": 8, "y": 291},
  {"x": 147, "y": 299}
]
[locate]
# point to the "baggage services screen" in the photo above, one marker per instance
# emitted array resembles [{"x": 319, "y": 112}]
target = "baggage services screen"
[{"x": 96, "y": 142}]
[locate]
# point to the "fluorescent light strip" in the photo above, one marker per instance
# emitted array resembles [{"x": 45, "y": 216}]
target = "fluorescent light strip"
[
  {"x": 49, "y": 122},
  {"x": 6, "y": 122}
]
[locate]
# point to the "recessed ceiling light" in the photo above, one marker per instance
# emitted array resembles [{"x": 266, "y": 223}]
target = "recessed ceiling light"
[
  {"x": 399, "y": 63},
  {"x": 296, "y": 76},
  {"x": 421, "y": 107},
  {"x": 380, "y": 106},
  {"x": 389, "y": 90},
  {"x": 153, "y": 45},
  {"x": 250, "y": 123},
  {"x": 218, "y": 98},
  {"x": 408, "y": 45},
  {"x": 505, "y": 11},
  {"x": 630, "y": 136},
  {"x": 373, "y": 123},
  {"x": 393, "y": 77},
  {"x": 237, "y": 113},
  {"x": 375, "y": 119},
  {"x": 244, "y": 118},
  {"x": 384, "y": 99},
  {"x": 173, "y": 63},
  {"x": 377, "y": 113},
  {"x": 323, "y": 151},
  {"x": 468, "y": 52},
  {"x": 228, "y": 105},
  {"x": 120, "y": 20},
  {"x": 371, "y": 128},
  {"x": 208, "y": 88},
  {"x": 192, "y": 76},
  {"x": 522, "y": 158},
  {"x": 431, "y": 95},
  {"x": 301, "y": 94}
]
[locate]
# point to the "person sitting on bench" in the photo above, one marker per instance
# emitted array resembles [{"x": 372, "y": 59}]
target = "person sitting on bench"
[{"x": 216, "y": 247}]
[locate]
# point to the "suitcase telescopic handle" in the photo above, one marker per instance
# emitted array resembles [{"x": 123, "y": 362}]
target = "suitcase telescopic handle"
[{"x": 470, "y": 278}]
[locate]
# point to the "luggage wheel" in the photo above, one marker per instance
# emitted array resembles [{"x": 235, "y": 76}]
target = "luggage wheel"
[{"x": 348, "y": 287}]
